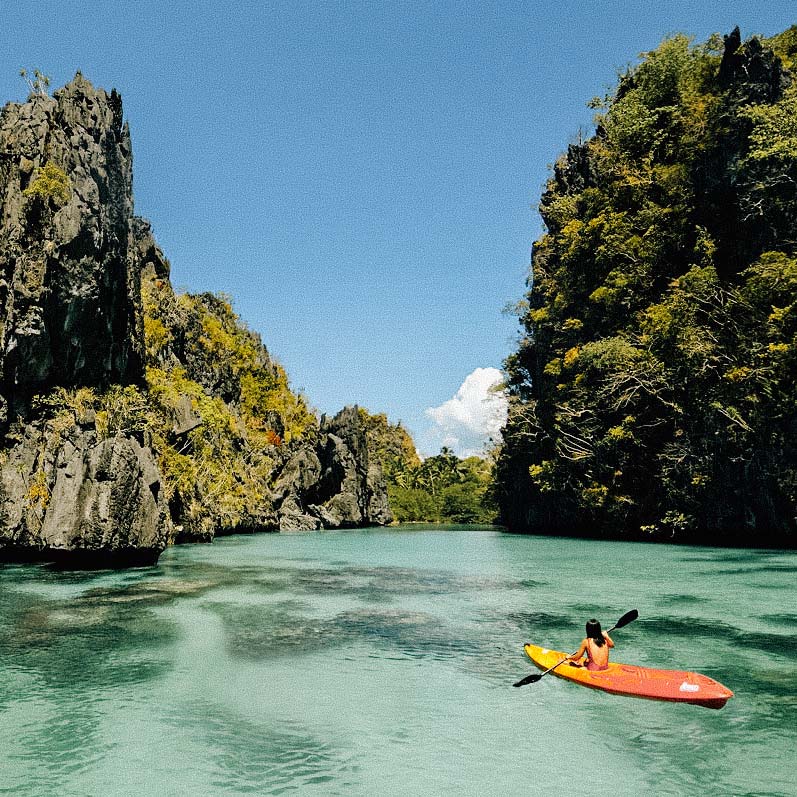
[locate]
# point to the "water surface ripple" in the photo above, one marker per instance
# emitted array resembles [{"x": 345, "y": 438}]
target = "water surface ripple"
[{"x": 381, "y": 661}]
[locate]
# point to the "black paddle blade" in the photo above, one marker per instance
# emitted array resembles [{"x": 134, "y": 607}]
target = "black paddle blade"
[
  {"x": 529, "y": 679},
  {"x": 627, "y": 618}
]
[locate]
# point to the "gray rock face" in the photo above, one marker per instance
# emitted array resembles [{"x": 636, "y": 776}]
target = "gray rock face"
[
  {"x": 378, "y": 508},
  {"x": 185, "y": 417},
  {"x": 335, "y": 485},
  {"x": 298, "y": 476},
  {"x": 69, "y": 497},
  {"x": 71, "y": 304},
  {"x": 71, "y": 255}
]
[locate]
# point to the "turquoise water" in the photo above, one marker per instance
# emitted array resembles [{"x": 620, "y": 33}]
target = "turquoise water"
[{"x": 376, "y": 661}]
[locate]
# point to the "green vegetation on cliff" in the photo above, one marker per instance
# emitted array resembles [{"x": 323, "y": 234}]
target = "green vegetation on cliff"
[
  {"x": 219, "y": 408},
  {"x": 652, "y": 393},
  {"x": 215, "y": 410},
  {"x": 225, "y": 426},
  {"x": 51, "y": 182},
  {"x": 132, "y": 417}
]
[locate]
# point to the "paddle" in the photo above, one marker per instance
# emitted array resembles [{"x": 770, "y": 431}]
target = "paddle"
[{"x": 627, "y": 618}]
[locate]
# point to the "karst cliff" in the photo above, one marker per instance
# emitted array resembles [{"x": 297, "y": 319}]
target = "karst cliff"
[
  {"x": 652, "y": 392},
  {"x": 132, "y": 417}
]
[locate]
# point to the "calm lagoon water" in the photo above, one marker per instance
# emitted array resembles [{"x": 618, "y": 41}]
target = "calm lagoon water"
[{"x": 381, "y": 662}]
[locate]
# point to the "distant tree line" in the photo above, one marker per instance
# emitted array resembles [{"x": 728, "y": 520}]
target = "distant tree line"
[{"x": 439, "y": 489}]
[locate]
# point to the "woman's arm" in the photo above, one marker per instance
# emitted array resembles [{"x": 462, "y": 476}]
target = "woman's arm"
[
  {"x": 608, "y": 639},
  {"x": 581, "y": 651}
]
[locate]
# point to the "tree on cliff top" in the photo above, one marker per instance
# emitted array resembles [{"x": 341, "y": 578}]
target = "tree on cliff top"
[{"x": 38, "y": 84}]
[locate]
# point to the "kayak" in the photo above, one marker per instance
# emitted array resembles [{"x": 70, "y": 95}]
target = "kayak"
[{"x": 628, "y": 679}]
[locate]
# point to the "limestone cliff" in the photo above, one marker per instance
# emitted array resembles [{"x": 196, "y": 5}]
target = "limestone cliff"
[
  {"x": 68, "y": 294},
  {"x": 132, "y": 417},
  {"x": 71, "y": 319},
  {"x": 335, "y": 483},
  {"x": 652, "y": 392}
]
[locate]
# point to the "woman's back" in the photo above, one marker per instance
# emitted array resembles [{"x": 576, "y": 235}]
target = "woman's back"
[{"x": 597, "y": 655}]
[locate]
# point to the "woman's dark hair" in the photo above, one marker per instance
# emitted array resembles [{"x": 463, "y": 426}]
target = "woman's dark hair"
[{"x": 594, "y": 632}]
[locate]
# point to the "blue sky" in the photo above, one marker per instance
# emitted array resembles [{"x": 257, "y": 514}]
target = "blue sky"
[{"x": 360, "y": 177}]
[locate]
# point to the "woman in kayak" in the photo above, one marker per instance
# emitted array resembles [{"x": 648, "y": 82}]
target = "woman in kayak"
[{"x": 595, "y": 647}]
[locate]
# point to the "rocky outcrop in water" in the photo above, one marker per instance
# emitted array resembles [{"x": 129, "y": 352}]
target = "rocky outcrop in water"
[
  {"x": 127, "y": 425},
  {"x": 333, "y": 484},
  {"x": 73, "y": 498},
  {"x": 71, "y": 318}
]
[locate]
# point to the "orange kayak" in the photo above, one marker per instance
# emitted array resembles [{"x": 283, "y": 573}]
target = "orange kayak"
[{"x": 628, "y": 679}]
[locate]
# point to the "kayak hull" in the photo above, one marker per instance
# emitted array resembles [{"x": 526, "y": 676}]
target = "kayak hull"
[{"x": 676, "y": 686}]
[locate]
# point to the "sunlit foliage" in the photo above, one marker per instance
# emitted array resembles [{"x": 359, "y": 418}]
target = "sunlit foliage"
[
  {"x": 652, "y": 389},
  {"x": 438, "y": 489},
  {"x": 51, "y": 183},
  {"x": 220, "y": 409}
]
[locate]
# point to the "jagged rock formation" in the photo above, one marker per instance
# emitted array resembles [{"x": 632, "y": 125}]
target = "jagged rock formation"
[
  {"x": 290, "y": 472},
  {"x": 127, "y": 423},
  {"x": 71, "y": 318},
  {"x": 68, "y": 293},
  {"x": 334, "y": 484},
  {"x": 80, "y": 500}
]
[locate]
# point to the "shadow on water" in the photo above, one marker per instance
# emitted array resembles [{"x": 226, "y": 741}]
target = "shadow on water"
[
  {"x": 488, "y": 645},
  {"x": 692, "y": 628},
  {"x": 379, "y": 584},
  {"x": 107, "y": 635},
  {"x": 65, "y": 651},
  {"x": 766, "y": 684},
  {"x": 682, "y": 600},
  {"x": 279, "y": 630},
  {"x": 97, "y": 640},
  {"x": 731, "y": 556},
  {"x": 740, "y": 562},
  {"x": 750, "y": 571},
  {"x": 257, "y": 758},
  {"x": 788, "y": 620}
]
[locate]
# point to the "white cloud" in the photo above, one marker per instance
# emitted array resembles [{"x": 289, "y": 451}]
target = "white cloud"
[{"x": 473, "y": 416}]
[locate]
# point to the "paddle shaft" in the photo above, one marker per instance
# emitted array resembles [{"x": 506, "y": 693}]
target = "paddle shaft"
[{"x": 627, "y": 618}]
